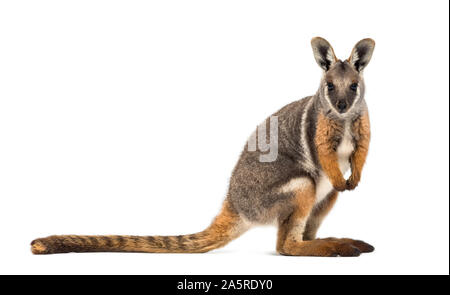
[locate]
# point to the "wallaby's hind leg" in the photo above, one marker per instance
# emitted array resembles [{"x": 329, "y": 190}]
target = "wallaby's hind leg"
[
  {"x": 291, "y": 231},
  {"x": 317, "y": 215}
]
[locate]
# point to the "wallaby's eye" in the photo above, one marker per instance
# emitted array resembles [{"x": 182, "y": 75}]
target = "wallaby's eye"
[
  {"x": 330, "y": 86},
  {"x": 354, "y": 86}
]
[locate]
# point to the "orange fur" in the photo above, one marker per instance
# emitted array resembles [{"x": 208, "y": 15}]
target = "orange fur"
[
  {"x": 291, "y": 243},
  {"x": 326, "y": 144},
  {"x": 361, "y": 131}
]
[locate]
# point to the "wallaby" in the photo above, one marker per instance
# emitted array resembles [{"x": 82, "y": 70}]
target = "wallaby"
[{"x": 319, "y": 137}]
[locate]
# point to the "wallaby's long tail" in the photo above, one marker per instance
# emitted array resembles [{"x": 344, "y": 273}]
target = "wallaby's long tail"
[{"x": 227, "y": 226}]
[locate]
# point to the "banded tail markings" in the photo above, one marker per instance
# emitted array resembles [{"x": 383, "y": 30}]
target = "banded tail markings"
[{"x": 227, "y": 226}]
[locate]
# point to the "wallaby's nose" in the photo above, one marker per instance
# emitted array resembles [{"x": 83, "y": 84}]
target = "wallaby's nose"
[{"x": 341, "y": 105}]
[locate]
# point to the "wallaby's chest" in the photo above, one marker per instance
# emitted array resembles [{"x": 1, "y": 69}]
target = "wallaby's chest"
[{"x": 345, "y": 149}]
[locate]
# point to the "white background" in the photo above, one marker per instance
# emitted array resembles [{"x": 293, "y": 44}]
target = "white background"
[{"x": 127, "y": 117}]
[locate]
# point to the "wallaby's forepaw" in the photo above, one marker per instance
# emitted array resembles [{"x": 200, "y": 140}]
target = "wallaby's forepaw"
[
  {"x": 362, "y": 246},
  {"x": 340, "y": 186},
  {"x": 352, "y": 183}
]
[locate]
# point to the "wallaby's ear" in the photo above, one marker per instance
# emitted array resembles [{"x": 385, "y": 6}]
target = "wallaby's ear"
[
  {"x": 361, "y": 54},
  {"x": 323, "y": 52}
]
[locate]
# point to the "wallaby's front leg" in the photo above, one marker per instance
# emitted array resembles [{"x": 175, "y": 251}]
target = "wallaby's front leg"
[
  {"x": 326, "y": 140},
  {"x": 361, "y": 130}
]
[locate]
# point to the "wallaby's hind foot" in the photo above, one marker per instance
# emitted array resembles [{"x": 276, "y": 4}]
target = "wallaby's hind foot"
[
  {"x": 361, "y": 245},
  {"x": 322, "y": 248}
]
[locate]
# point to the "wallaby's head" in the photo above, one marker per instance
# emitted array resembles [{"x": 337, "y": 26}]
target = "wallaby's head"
[{"x": 342, "y": 85}]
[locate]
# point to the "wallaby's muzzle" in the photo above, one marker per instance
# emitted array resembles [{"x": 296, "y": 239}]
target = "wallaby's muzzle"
[{"x": 341, "y": 106}]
